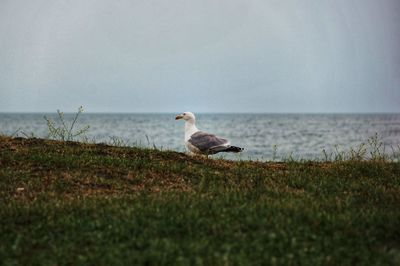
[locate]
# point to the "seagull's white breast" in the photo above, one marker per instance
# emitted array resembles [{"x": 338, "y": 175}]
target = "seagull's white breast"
[
  {"x": 190, "y": 129},
  {"x": 191, "y": 147}
]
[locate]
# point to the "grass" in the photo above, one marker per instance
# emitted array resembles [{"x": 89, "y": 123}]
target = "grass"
[{"x": 74, "y": 203}]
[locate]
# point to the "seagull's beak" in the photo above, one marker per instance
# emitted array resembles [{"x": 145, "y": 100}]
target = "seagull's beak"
[{"x": 178, "y": 117}]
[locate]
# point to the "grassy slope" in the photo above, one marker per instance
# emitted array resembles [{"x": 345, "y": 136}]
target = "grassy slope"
[{"x": 71, "y": 203}]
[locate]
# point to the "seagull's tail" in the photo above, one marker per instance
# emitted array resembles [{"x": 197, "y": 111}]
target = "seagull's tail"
[{"x": 234, "y": 149}]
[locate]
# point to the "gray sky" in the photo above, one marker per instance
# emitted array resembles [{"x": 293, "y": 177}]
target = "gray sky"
[{"x": 201, "y": 56}]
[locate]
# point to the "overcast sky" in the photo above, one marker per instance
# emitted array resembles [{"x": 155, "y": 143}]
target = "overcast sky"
[{"x": 200, "y": 56}]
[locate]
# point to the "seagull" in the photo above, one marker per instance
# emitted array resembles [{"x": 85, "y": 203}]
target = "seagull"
[{"x": 200, "y": 142}]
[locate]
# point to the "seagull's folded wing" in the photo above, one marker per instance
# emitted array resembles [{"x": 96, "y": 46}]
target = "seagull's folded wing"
[{"x": 206, "y": 142}]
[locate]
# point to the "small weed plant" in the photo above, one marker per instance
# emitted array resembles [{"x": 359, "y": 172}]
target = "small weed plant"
[
  {"x": 62, "y": 130},
  {"x": 118, "y": 142},
  {"x": 373, "y": 149}
]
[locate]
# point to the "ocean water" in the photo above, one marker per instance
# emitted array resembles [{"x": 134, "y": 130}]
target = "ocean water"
[{"x": 263, "y": 136}]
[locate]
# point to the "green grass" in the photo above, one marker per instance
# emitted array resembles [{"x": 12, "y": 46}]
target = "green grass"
[{"x": 68, "y": 203}]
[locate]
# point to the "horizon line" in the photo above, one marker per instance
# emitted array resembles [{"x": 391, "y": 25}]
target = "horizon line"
[{"x": 219, "y": 112}]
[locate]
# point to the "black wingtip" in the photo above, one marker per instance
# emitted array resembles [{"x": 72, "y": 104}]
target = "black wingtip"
[{"x": 234, "y": 149}]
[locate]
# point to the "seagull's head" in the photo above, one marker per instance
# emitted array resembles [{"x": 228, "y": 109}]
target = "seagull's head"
[{"x": 187, "y": 116}]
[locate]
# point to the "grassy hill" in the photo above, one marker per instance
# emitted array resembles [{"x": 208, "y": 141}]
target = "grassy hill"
[{"x": 74, "y": 203}]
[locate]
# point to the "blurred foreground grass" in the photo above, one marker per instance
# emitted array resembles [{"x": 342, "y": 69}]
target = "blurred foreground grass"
[{"x": 74, "y": 203}]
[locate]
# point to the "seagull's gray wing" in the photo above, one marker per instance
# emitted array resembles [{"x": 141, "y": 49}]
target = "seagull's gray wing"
[{"x": 208, "y": 143}]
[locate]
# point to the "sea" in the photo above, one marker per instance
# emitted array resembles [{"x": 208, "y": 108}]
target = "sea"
[{"x": 264, "y": 137}]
